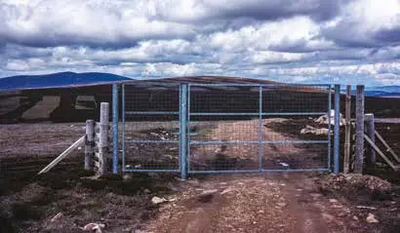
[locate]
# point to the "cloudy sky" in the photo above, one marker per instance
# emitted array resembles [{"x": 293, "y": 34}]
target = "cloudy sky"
[{"x": 307, "y": 41}]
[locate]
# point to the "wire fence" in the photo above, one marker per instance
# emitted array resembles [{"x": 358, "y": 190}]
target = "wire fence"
[
  {"x": 27, "y": 148},
  {"x": 237, "y": 128},
  {"x": 38, "y": 125},
  {"x": 151, "y": 128},
  {"x": 227, "y": 127}
]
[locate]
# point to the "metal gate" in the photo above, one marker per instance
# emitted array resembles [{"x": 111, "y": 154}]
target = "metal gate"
[
  {"x": 227, "y": 128},
  {"x": 258, "y": 127}
]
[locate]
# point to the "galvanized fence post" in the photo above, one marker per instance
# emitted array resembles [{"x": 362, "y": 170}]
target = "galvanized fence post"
[
  {"x": 336, "y": 131},
  {"x": 183, "y": 92},
  {"x": 123, "y": 126},
  {"x": 115, "y": 127}
]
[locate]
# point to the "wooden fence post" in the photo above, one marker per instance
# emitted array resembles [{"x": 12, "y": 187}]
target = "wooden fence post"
[
  {"x": 103, "y": 137},
  {"x": 89, "y": 145},
  {"x": 359, "y": 151},
  {"x": 370, "y": 130},
  {"x": 347, "y": 143}
]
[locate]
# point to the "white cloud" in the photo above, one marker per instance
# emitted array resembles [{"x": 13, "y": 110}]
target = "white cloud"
[
  {"x": 80, "y": 22},
  {"x": 362, "y": 21},
  {"x": 277, "y": 57},
  {"x": 297, "y": 31},
  {"x": 296, "y": 41}
]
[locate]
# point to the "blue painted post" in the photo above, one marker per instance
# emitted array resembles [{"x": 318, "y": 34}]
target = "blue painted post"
[
  {"x": 336, "y": 131},
  {"x": 115, "y": 127},
  {"x": 123, "y": 126},
  {"x": 329, "y": 127},
  {"x": 183, "y": 130}
]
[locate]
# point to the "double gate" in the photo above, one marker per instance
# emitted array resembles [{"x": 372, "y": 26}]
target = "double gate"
[{"x": 227, "y": 128}]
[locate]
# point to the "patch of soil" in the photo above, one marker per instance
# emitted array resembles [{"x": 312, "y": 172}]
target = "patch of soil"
[
  {"x": 366, "y": 195},
  {"x": 122, "y": 205},
  {"x": 356, "y": 186}
]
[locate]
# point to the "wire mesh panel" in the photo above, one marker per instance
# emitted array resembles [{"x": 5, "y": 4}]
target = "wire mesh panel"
[
  {"x": 251, "y": 127},
  {"x": 150, "y": 127}
]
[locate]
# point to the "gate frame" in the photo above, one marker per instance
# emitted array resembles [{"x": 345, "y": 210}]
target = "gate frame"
[{"x": 184, "y": 134}]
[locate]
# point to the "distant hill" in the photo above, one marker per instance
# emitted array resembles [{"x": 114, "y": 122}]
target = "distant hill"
[
  {"x": 64, "y": 79},
  {"x": 383, "y": 91}
]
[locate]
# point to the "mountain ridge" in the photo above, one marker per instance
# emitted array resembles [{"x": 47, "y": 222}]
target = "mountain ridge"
[{"x": 55, "y": 80}]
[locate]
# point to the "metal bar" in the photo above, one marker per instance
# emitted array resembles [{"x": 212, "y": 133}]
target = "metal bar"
[
  {"x": 359, "y": 151},
  {"x": 150, "y": 170},
  {"x": 257, "y": 114},
  {"x": 347, "y": 144},
  {"x": 190, "y": 134},
  {"x": 260, "y": 137},
  {"x": 115, "y": 127},
  {"x": 151, "y": 113},
  {"x": 183, "y": 130},
  {"x": 53, "y": 163},
  {"x": 192, "y": 122},
  {"x": 257, "y": 170},
  {"x": 189, "y": 122},
  {"x": 257, "y": 85},
  {"x": 257, "y": 142},
  {"x": 328, "y": 114},
  {"x": 149, "y": 141},
  {"x": 123, "y": 125},
  {"x": 336, "y": 132}
]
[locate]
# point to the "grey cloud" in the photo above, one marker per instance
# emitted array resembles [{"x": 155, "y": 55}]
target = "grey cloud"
[
  {"x": 391, "y": 36},
  {"x": 112, "y": 25},
  {"x": 272, "y": 10},
  {"x": 57, "y": 23},
  {"x": 283, "y": 40}
]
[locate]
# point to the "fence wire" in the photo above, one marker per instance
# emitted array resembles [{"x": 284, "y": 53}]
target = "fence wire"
[
  {"x": 151, "y": 121},
  {"x": 235, "y": 128}
]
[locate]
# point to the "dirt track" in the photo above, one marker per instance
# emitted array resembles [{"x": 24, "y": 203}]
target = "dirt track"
[{"x": 258, "y": 203}]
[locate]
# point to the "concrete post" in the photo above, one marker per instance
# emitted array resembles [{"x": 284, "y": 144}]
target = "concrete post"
[
  {"x": 89, "y": 145},
  {"x": 103, "y": 137},
  {"x": 359, "y": 151},
  {"x": 347, "y": 143}
]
